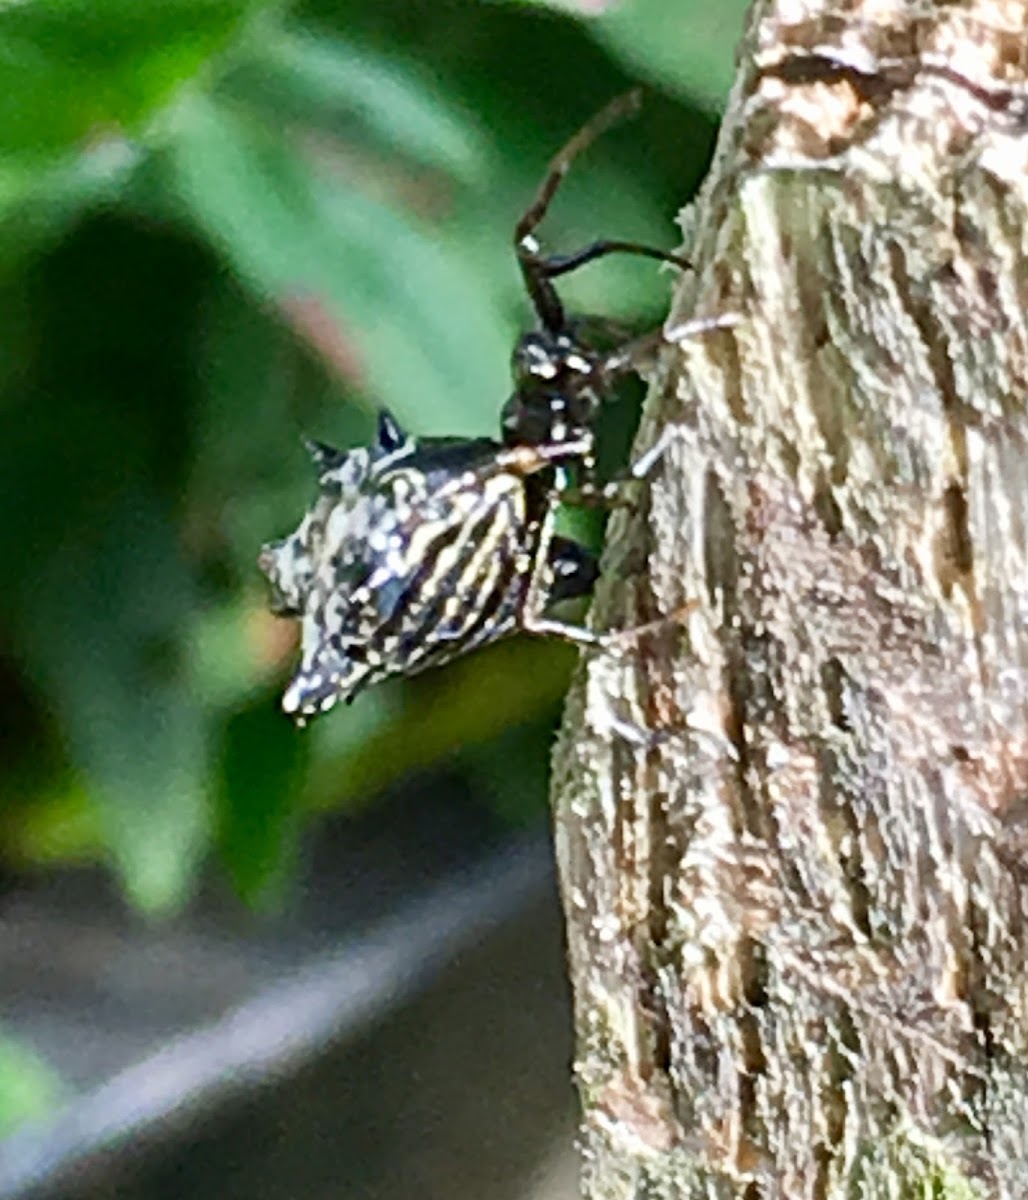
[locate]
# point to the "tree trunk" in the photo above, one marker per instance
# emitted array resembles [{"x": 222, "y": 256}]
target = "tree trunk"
[{"x": 792, "y": 826}]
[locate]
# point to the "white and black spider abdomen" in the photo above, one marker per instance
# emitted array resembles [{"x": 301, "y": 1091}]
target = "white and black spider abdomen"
[{"x": 409, "y": 556}]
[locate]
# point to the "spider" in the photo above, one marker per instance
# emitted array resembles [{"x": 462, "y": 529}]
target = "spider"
[{"x": 416, "y": 551}]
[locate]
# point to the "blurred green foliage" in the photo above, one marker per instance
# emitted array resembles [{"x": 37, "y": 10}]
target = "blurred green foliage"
[
  {"x": 225, "y": 224},
  {"x": 28, "y": 1088}
]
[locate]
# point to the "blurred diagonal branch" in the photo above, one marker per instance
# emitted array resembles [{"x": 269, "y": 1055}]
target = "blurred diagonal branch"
[{"x": 798, "y": 967}]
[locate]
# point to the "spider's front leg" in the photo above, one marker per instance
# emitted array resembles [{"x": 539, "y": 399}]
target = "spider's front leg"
[{"x": 634, "y": 355}]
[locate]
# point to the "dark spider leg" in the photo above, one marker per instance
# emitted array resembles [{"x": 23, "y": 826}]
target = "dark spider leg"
[
  {"x": 554, "y": 265},
  {"x": 527, "y": 459},
  {"x": 540, "y": 290},
  {"x": 600, "y": 331}
]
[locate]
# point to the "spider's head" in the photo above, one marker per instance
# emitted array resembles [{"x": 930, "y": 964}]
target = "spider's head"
[{"x": 555, "y": 394}]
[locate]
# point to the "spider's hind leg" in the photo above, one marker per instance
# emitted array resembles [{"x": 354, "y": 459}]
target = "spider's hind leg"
[{"x": 542, "y": 592}]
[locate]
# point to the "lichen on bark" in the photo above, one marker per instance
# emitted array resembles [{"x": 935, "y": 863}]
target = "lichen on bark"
[{"x": 791, "y": 828}]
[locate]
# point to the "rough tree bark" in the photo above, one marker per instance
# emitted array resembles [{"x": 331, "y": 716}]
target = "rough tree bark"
[{"x": 798, "y": 945}]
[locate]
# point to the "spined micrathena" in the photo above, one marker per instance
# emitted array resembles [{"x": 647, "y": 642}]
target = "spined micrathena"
[{"x": 418, "y": 550}]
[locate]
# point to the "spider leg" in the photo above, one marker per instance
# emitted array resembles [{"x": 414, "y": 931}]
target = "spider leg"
[
  {"x": 540, "y": 290},
  {"x": 554, "y": 265},
  {"x": 637, "y": 354},
  {"x": 589, "y": 493},
  {"x": 698, "y": 326},
  {"x": 533, "y": 617},
  {"x": 528, "y": 458},
  {"x": 620, "y": 108}
]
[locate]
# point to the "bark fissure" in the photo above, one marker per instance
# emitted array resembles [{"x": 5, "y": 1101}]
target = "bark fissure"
[{"x": 796, "y": 913}]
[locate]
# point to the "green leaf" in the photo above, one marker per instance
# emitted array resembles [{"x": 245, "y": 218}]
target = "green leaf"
[
  {"x": 261, "y": 767},
  {"x": 100, "y": 629},
  {"x": 421, "y": 329},
  {"x": 315, "y": 79},
  {"x": 225, "y": 662},
  {"x": 78, "y": 79},
  {"x": 685, "y": 46},
  {"x": 28, "y": 1088},
  {"x": 262, "y": 391},
  {"x": 73, "y": 68},
  {"x": 444, "y": 713},
  {"x": 38, "y": 197}
]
